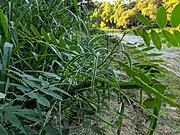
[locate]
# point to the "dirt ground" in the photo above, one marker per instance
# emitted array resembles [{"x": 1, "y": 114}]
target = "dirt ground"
[{"x": 136, "y": 123}]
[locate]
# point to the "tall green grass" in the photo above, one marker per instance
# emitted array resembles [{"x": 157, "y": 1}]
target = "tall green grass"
[{"x": 58, "y": 74}]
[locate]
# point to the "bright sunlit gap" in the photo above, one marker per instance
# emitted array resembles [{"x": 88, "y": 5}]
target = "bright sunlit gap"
[{"x": 113, "y": 1}]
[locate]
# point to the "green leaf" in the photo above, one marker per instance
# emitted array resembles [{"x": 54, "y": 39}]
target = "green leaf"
[
  {"x": 3, "y": 130},
  {"x": 150, "y": 103},
  {"x": 129, "y": 85},
  {"x": 35, "y": 32},
  {"x": 28, "y": 117},
  {"x": 169, "y": 37},
  {"x": 14, "y": 121},
  {"x": 175, "y": 19},
  {"x": 177, "y": 35},
  {"x": 161, "y": 88},
  {"x": 155, "y": 92},
  {"x": 146, "y": 38},
  {"x": 144, "y": 20},
  {"x": 140, "y": 32},
  {"x": 45, "y": 35},
  {"x": 40, "y": 99},
  {"x": 147, "y": 49},
  {"x": 5, "y": 25},
  {"x": 130, "y": 72},
  {"x": 136, "y": 32},
  {"x": 58, "y": 89},
  {"x": 53, "y": 39},
  {"x": 128, "y": 57},
  {"x": 161, "y": 17},
  {"x": 25, "y": 30},
  {"x": 156, "y": 40},
  {"x": 51, "y": 93},
  {"x": 144, "y": 77},
  {"x": 73, "y": 47}
]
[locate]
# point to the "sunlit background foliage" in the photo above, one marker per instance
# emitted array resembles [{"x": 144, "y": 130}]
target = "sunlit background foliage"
[{"x": 122, "y": 15}]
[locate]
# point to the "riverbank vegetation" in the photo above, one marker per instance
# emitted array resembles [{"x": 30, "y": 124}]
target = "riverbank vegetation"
[{"x": 59, "y": 75}]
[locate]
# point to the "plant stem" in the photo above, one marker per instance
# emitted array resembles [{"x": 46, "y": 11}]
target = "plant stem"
[{"x": 60, "y": 126}]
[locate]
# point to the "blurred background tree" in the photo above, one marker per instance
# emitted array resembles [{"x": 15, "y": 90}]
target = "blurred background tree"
[{"x": 121, "y": 15}]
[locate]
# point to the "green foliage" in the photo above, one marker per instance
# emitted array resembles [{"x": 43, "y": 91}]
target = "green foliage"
[
  {"x": 123, "y": 16},
  {"x": 158, "y": 90},
  {"x": 144, "y": 20},
  {"x": 175, "y": 20},
  {"x": 150, "y": 103},
  {"x": 169, "y": 37},
  {"x": 161, "y": 17},
  {"x": 177, "y": 35},
  {"x": 57, "y": 72},
  {"x": 156, "y": 39}
]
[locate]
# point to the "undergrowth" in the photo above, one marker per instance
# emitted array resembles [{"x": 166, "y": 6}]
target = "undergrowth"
[{"x": 58, "y": 74}]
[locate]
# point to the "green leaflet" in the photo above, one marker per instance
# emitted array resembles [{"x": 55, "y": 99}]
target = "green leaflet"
[
  {"x": 136, "y": 33},
  {"x": 139, "y": 32},
  {"x": 169, "y": 37},
  {"x": 150, "y": 103},
  {"x": 155, "y": 92},
  {"x": 161, "y": 17},
  {"x": 156, "y": 40},
  {"x": 144, "y": 20},
  {"x": 161, "y": 88},
  {"x": 177, "y": 35},
  {"x": 144, "y": 77},
  {"x": 146, "y": 37},
  {"x": 147, "y": 49},
  {"x": 175, "y": 19}
]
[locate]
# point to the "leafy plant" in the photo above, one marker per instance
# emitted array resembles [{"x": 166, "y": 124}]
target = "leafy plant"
[
  {"x": 57, "y": 74},
  {"x": 171, "y": 39}
]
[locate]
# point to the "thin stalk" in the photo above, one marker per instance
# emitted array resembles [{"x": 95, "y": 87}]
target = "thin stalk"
[
  {"x": 60, "y": 126},
  {"x": 94, "y": 74},
  {"x": 154, "y": 120},
  {"x": 47, "y": 118},
  {"x": 140, "y": 96},
  {"x": 112, "y": 51},
  {"x": 120, "y": 117}
]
